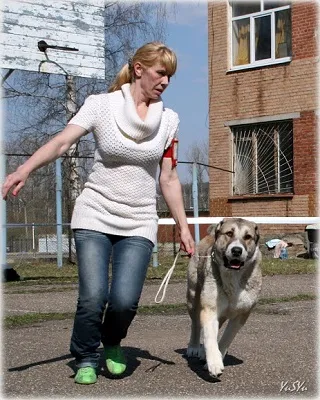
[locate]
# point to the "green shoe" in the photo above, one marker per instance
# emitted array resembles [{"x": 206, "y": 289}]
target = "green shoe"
[
  {"x": 115, "y": 360},
  {"x": 86, "y": 376}
]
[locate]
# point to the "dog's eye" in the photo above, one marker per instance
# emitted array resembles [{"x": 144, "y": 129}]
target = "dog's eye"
[
  {"x": 230, "y": 234},
  {"x": 247, "y": 237}
]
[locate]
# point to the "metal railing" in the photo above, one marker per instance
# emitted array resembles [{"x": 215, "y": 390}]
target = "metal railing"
[{"x": 36, "y": 240}]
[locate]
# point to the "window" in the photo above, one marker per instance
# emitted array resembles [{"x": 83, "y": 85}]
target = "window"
[
  {"x": 261, "y": 33},
  {"x": 263, "y": 158}
]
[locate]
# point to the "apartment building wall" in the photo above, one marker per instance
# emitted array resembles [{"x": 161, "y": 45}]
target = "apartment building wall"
[{"x": 283, "y": 89}]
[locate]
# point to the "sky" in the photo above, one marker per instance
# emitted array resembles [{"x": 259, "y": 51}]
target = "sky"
[{"x": 187, "y": 93}]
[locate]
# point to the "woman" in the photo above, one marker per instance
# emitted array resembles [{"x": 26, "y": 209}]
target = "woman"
[{"x": 115, "y": 215}]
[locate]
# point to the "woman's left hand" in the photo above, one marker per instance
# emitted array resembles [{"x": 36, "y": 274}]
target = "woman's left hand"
[{"x": 186, "y": 242}]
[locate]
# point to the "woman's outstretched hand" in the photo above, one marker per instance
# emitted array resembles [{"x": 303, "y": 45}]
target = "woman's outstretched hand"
[{"x": 14, "y": 183}]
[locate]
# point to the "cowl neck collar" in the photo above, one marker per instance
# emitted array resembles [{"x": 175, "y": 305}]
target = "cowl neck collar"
[{"x": 128, "y": 120}]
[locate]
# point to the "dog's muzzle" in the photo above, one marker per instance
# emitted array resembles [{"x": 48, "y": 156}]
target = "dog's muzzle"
[{"x": 234, "y": 261}]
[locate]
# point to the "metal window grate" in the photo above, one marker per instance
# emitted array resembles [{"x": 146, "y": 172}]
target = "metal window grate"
[{"x": 263, "y": 158}]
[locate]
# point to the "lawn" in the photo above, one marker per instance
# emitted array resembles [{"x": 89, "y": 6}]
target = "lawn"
[{"x": 35, "y": 272}]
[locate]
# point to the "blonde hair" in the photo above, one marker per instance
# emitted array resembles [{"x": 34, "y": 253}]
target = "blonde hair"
[{"x": 147, "y": 55}]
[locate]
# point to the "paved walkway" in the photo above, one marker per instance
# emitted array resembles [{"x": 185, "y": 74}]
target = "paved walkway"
[{"x": 274, "y": 355}]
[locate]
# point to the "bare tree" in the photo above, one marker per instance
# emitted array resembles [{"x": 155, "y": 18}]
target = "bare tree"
[{"x": 198, "y": 153}]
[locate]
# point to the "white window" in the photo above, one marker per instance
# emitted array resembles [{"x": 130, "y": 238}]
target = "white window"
[
  {"x": 263, "y": 158},
  {"x": 261, "y": 33}
]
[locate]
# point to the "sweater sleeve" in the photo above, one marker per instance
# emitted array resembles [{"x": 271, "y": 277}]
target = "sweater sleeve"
[
  {"x": 86, "y": 116},
  {"x": 173, "y": 128}
]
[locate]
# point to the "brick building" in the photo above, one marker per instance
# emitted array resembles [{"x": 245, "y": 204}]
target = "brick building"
[{"x": 263, "y": 94}]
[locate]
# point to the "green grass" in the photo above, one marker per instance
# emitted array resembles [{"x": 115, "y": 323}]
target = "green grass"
[
  {"x": 286, "y": 299},
  {"x": 16, "y": 321},
  {"x": 287, "y": 267},
  {"x": 35, "y": 273},
  {"x": 46, "y": 271},
  {"x": 167, "y": 309}
]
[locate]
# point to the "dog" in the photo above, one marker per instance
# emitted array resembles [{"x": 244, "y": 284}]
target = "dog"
[{"x": 224, "y": 282}]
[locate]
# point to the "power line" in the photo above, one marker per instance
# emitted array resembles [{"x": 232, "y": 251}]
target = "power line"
[
  {"x": 91, "y": 157},
  {"x": 205, "y": 165},
  {"x": 29, "y": 155}
]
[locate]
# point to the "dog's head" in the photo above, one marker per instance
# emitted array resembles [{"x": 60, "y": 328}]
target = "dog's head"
[{"x": 236, "y": 242}]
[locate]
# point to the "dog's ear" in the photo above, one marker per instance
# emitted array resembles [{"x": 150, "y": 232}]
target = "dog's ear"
[
  {"x": 218, "y": 229},
  {"x": 257, "y": 234},
  {"x": 210, "y": 230}
]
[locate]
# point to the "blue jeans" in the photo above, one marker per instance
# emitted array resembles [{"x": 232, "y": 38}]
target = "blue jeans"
[{"x": 130, "y": 260}]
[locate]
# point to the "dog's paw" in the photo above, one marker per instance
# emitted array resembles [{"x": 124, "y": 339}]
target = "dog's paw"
[
  {"x": 196, "y": 351},
  {"x": 215, "y": 368}
]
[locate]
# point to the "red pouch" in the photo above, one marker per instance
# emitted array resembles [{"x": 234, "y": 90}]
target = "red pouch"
[{"x": 172, "y": 152}]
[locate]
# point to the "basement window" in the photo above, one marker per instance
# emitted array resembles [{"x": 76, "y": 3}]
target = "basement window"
[
  {"x": 261, "y": 33},
  {"x": 263, "y": 158}
]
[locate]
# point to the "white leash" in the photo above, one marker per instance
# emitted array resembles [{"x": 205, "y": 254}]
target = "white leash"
[
  {"x": 166, "y": 281},
  {"x": 167, "y": 277}
]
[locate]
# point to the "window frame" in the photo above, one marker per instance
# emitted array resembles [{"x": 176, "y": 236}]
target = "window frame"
[
  {"x": 255, "y": 165},
  {"x": 260, "y": 63}
]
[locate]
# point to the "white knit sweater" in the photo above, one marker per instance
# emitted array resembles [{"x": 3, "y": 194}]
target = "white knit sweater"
[{"x": 120, "y": 195}]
